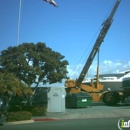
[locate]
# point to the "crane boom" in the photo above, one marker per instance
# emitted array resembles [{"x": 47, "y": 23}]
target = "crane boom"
[{"x": 105, "y": 27}]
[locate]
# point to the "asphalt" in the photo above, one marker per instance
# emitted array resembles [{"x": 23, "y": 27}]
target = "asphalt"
[{"x": 98, "y": 110}]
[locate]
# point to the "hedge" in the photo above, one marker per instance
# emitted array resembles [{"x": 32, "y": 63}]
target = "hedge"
[
  {"x": 18, "y": 113},
  {"x": 18, "y": 116},
  {"x": 39, "y": 111}
]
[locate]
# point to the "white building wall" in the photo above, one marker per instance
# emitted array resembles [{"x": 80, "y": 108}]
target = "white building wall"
[{"x": 56, "y": 99}]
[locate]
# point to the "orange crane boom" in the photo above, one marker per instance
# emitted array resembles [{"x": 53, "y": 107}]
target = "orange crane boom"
[{"x": 74, "y": 86}]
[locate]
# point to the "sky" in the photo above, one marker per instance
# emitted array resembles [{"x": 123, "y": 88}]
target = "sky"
[{"x": 71, "y": 29}]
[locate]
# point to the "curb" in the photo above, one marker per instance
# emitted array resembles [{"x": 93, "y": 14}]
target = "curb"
[
  {"x": 45, "y": 119},
  {"x": 19, "y": 122},
  {"x": 30, "y": 121}
]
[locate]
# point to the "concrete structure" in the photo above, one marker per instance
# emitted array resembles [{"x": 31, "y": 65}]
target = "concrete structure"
[{"x": 56, "y": 99}]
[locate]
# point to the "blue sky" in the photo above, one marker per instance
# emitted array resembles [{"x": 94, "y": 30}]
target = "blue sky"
[{"x": 70, "y": 29}]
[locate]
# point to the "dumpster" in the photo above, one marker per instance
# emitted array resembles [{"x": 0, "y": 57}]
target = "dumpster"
[
  {"x": 40, "y": 97},
  {"x": 68, "y": 100},
  {"x": 89, "y": 99},
  {"x": 78, "y": 100}
]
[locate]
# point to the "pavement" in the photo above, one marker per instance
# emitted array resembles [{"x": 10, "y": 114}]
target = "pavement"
[{"x": 98, "y": 110}]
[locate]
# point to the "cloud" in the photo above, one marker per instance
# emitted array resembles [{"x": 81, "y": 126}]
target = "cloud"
[
  {"x": 74, "y": 71},
  {"x": 116, "y": 66},
  {"x": 107, "y": 66}
]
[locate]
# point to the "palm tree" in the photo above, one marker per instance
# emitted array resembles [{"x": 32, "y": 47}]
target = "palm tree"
[{"x": 9, "y": 83}]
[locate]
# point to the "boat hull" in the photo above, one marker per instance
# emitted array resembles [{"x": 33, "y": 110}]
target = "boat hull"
[
  {"x": 113, "y": 85},
  {"x": 126, "y": 84},
  {"x": 109, "y": 85}
]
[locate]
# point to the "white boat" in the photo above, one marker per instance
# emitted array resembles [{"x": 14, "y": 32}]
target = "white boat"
[
  {"x": 112, "y": 81},
  {"x": 126, "y": 83}
]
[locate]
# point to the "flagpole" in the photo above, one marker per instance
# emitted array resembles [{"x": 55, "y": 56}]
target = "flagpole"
[{"x": 20, "y": 2}]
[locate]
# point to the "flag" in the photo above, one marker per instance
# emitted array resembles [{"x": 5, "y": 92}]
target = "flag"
[{"x": 51, "y": 2}]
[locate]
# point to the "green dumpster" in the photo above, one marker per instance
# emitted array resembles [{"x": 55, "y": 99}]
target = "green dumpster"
[
  {"x": 78, "y": 100},
  {"x": 89, "y": 99},
  {"x": 68, "y": 99}
]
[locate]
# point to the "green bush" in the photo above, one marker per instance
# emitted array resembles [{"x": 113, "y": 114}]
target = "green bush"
[
  {"x": 35, "y": 111},
  {"x": 15, "y": 108},
  {"x": 39, "y": 111},
  {"x": 18, "y": 116}
]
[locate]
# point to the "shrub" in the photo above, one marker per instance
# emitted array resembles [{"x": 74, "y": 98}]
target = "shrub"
[
  {"x": 18, "y": 116},
  {"x": 14, "y": 108},
  {"x": 39, "y": 111},
  {"x": 36, "y": 111}
]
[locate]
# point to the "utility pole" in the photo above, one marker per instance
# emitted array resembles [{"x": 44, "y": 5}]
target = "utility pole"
[{"x": 20, "y": 2}]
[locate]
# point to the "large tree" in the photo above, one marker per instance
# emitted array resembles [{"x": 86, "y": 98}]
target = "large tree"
[{"x": 34, "y": 63}]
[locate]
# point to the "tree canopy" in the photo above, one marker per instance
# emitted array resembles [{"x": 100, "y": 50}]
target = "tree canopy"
[
  {"x": 34, "y": 63},
  {"x": 9, "y": 83}
]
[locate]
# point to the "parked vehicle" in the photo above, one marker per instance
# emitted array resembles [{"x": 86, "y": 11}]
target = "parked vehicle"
[{"x": 3, "y": 109}]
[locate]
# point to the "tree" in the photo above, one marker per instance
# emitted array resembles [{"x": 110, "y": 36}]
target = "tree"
[
  {"x": 34, "y": 63},
  {"x": 10, "y": 84}
]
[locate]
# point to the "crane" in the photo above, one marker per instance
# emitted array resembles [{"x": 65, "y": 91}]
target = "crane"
[{"x": 73, "y": 86}]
